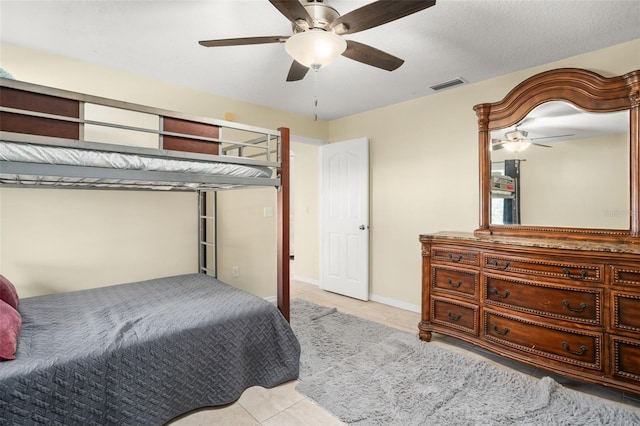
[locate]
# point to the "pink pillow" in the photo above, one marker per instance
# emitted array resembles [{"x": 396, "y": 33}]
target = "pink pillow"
[
  {"x": 10, "y": 321},
  {"x": 8, "y": 292}
]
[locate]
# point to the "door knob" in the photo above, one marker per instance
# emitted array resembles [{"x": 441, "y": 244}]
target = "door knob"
[{"x": 362, "y": 227}]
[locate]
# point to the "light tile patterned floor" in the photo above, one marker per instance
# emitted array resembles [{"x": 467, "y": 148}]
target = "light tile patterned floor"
[{"x": 284, "y": 406}]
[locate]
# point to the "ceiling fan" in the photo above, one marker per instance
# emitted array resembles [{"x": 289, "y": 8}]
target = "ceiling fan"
[
  {"x": 517, "y": 141},
  {"x": 318, "y": 29}
]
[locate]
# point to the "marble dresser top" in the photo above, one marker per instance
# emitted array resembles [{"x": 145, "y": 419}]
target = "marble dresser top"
[{"x": 551, "y": 243}]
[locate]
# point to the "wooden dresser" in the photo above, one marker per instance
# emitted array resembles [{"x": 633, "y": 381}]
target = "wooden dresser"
[
  {"x": 532, "y": 286},
  {"x": 571, "y": 307}
]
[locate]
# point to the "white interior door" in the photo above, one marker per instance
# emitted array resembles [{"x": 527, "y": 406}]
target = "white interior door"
[{"x": 344, "y": 223}]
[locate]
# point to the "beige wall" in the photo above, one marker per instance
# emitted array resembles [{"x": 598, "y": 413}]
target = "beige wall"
[
  {"x": 304, "y": 208},
  {"x": 423, "y": 179},
  {"x": 58, "y": 240},
  {"x": 424, "y": 167},
  {"x": 56, "y": 71}
]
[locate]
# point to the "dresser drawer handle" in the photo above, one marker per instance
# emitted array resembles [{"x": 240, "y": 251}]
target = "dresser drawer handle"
[
  {"x": 502, "y": 333},
  {"x": 582, "y": 307},
  {"x": 582, "y": 276},
  {"x": 582, "y": 350},
  {"x": 456, "y": 259},
  {"x": 494, "y": 291},
  {"x": 454, "y": 317},
  {"x": 495, "y": 263},
  {"x": 452, "y": 284}
]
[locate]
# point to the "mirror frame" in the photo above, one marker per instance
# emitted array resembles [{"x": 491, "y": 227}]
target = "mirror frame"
[{"x": 588, "y": 91}]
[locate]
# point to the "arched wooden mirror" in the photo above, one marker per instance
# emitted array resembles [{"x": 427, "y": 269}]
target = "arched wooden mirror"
[{"x": 560, "y": 157}]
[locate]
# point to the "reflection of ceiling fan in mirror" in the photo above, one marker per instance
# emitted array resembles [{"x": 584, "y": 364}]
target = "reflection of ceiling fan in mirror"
[
  {"x": 317, "y": 33},
  {"x": 517, "y": 141}
]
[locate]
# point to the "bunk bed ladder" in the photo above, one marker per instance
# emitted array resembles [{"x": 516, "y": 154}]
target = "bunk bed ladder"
[{"x": 207, "y": 233}]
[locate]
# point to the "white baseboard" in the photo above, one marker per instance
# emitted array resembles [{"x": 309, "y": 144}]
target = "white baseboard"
[
  {"x": 274, "y": 299},
  {"x": 395, "y": 303},
  {"x": 307, "y": 280},
  {"x": 380, "y": 299}
]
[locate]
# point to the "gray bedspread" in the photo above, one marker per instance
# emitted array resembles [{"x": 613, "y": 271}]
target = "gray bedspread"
[{"x": 142, "y": 353}]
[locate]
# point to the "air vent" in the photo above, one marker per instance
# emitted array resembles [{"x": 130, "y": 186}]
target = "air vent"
[{"x": 447, "y": 84}]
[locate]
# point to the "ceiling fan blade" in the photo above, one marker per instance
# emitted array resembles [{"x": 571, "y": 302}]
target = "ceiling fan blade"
[
  {"x": 377, "y": 13},
  {"x": 243, "y": 41},
  {"x": 539, "y": 144},
  {"x": 297, "y": 71},
  {"x": 371, "y": 56},
  {"x": 552, "y": 137},
  {"x": 293, "y": 10}
]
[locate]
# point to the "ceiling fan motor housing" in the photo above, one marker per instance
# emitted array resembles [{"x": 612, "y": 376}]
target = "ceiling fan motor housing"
[
  {"x": 516, "y": 135},
  {"x": 321, "y": 15}
]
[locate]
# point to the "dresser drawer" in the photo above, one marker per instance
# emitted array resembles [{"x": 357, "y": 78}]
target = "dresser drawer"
[
  {"x": 569, "y": 303},
  {"x": 571, "y": 346},
  {"x": 458, "y": 315},
  {"x": 544, "y": 267},
  {"x": 626, "y": 275},
  {"x": 626, "y": 311},
  {"x": 626, "y": 358},
  {"x": 455, "y": 255},
  {"x": 455, "y": 281}
]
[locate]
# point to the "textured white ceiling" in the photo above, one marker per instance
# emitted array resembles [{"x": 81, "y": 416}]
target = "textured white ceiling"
[{"x": 472, "y": 39}]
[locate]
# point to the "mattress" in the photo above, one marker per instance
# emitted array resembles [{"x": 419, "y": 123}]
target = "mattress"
[
  {"x": 142, "y": 353},
  {"x": 174, "y": 169}
]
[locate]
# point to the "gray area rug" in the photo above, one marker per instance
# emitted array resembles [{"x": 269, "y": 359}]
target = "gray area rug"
[
  {"x": 370, "y": 374},
  {"x": 327, "y": 336}
]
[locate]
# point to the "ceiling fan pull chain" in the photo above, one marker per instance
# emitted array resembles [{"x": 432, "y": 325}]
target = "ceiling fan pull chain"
[{"x": 315, "y": 93}]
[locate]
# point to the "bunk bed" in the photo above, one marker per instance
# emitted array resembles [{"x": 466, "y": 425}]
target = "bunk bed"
[{"x": 145, "y": 352}]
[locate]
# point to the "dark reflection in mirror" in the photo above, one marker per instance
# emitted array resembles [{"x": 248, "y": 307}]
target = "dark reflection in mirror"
[{"x": 505, "y": 197}]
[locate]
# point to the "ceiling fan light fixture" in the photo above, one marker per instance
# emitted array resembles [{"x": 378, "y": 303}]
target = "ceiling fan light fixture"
[
  {"x": 315, "y": 48},
  {"x": 516, "y": 146}
]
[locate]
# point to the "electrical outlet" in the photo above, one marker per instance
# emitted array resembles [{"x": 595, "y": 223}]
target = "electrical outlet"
[
  {"x": 235, "y": 271},
  {"x": 268, "y": 212}
]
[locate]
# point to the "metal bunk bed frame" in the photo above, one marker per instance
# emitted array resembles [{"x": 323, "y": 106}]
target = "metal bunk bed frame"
[{"x": 42, "y": 116}]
